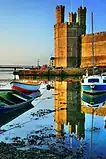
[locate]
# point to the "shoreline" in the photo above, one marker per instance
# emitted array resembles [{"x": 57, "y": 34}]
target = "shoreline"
[
  {"x": 50, "y": 73},
  {"x": 8, "y": 151}
]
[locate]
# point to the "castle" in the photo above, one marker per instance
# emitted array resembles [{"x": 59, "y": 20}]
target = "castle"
[{"x": 72, "y": 46}]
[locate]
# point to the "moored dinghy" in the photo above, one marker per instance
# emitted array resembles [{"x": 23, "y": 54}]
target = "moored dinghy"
[
  {"x": 11, "y": 100},
  {"x": 94, "y": 84},
  {"x": 25, "y": 86}
]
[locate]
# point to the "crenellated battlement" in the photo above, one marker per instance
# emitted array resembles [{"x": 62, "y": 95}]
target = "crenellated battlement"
[
  {"x": 97, "y": 33},
  {"x": 82, "y": 18},
  {"x": 60, "y": 14},
  {"x": 99, "y": 36},
  {"x": 81, "y": 9},
  {"x": 59, "y": 7},
  {"x": 60, "y": 10},
  {"x": 72, "y": 17}
]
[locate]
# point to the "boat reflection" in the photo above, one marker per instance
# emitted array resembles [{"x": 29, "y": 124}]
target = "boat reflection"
[
  {"x": 68, "y": 109},
  {"x": 93, "y": 100},
  {"x": 97, "y": 102},
  {"x": 94, "y": 106},
  {"x": 75, "y": 117}
]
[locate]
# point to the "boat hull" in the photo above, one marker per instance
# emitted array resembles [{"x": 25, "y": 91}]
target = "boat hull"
[
  {"x": 93, "y": 88},
  {"x": 94, "y": 100},
  {"x": 25, "y": 88},
  {"x": 15, "y": 107},
  {"x": 12, "y": 100}
]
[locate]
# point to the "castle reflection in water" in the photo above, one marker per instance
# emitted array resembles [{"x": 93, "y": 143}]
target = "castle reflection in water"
[{"x": 68, "y": 108}]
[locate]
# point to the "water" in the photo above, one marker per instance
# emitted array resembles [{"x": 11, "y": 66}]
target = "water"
[{"x": 59, "y": 120}]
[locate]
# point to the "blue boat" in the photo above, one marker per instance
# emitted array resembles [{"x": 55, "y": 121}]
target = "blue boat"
[
  {"x": 11, "y": 100},
  {"x": 94, "y": 84}
]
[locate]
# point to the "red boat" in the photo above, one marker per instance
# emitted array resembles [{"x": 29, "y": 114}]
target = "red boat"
[{"x": 25, "y": 86}]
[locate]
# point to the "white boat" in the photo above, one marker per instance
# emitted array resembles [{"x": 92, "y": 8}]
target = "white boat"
[
  {"x": 93, "y": 83},
  {"x": 104, "y": 75}
]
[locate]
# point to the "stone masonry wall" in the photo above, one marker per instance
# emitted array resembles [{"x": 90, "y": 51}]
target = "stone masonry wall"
[
  {"x": 99, "y": 49},
  {"x": 60, "y": 39}
]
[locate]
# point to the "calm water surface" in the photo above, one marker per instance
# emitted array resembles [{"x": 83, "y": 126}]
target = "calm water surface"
[{"x": 59, "y": 119}]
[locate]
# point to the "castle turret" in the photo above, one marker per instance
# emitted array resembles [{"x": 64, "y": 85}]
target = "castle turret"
[
  {"x": 82, "y": 18},
  {"x": 60, "y": 14},
  {"x": 67, "y": 37},
  {"x": 72, "y": 17}
]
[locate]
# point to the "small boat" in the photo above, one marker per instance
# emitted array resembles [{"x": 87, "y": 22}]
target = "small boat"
[
  {"x": 11, "y": 100},
  {"x": 91, "y": 100},
  {"x": 94, "y": 83},
  {"x": 7, "y": 116},
  {"x": 25, "y": 86}
]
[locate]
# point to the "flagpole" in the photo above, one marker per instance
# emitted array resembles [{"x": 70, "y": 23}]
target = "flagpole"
[
  {"x": 93, "y": 61},
  {"x": 82, "y": 3},
  {"x": 71, "y": 5}
]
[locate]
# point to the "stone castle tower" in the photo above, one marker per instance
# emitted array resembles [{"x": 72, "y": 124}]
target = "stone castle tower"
[{"x": 67, "y": 37}]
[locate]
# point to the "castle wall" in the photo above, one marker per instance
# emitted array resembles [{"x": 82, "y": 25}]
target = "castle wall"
[
  {"x": 99, "y": 49},
  {"x": 72, "y": 42},
  {"x": 66, "y": 38},
  {"x": 60, "y": 39}
]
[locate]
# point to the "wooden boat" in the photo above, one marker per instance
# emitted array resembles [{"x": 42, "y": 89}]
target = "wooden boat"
[
  {"x": 25, "y": 86},
  {"x": 8, "y": 116},
  {"x": 11, "y": 100}
]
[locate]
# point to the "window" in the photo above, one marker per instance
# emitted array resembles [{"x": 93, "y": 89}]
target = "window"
[
  {"x": 104, "y": 81},
  {"x": 93, "y": 80}
]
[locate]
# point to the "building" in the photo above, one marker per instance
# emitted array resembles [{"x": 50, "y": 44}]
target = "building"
[
  {"x": 52, "y": 62},
  {"x": 72, "y": 46},
  {"x": 67, "y": 37}
]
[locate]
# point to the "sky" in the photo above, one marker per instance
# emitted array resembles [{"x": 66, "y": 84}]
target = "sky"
[{"x": 27, "y": 27}]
